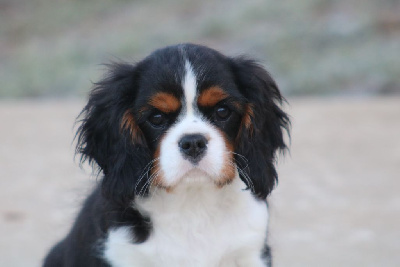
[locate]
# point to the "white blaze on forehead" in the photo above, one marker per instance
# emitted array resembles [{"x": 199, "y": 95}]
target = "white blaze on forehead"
[
  {"x": 173, "y": 164},
  {"x": 189, "y": 87}
]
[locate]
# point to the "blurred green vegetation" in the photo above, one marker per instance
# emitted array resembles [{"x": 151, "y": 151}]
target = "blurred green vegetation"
[{"x": 54, "y": 48}]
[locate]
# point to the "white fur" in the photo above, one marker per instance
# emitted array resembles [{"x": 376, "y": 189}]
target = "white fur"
[
  {"x": 197, "y": 224},
  {"x": 172, "y": 164},
  {"x": 190, "y": 88}
]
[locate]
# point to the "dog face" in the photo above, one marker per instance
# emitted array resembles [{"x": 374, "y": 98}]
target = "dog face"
[
  {"x": 190, "y": 124},
  {"x": 185, "y": 114}
]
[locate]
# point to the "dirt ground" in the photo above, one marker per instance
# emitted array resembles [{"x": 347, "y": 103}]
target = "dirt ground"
[{"x": 337, "y": 202}]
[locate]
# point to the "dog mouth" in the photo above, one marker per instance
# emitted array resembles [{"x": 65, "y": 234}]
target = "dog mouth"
[
  {"x": 194, "y": 176},
  {"x": 197, "y": 177}
]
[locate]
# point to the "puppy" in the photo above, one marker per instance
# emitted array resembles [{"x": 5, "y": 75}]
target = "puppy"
[{"x": 186, "y": 141}]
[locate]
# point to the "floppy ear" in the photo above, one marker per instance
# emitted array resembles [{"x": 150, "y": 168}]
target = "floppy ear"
[
  {"x": 261, "y": 130},
  {"x": 109, "y": 136}
]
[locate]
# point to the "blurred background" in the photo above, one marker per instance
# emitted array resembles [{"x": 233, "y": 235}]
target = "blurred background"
[
  {"x": 313, "y": 47},
  {"x": 337, "y": 63}
]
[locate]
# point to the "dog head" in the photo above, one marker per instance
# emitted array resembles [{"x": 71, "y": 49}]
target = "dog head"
[{"x": 185, "y": 112}]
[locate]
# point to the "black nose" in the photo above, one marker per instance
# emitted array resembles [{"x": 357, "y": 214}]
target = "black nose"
[{"x": 193, "y": 146}]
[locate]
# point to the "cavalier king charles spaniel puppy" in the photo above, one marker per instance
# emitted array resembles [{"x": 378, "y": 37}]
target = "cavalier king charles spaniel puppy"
[{"x": 186, "y": 142}]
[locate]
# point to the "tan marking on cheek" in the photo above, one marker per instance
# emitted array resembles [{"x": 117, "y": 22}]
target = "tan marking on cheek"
[
  {"x": 238, "y": 105},
  {"x": 165, "y": 102},
  {"x": 248, "y": 115},
  {"x": 128, "y": 124},
  {"x": 156, "y": 173},
  {"x": 246, "y": 123},
  {"x": 228, "y": 170},
  {"x": 211, "y": 96}
]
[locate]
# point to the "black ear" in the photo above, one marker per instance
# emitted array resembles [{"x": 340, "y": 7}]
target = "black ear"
[
  {"x": 263, "y": 124},
  {"x": 109, "y": 137}
]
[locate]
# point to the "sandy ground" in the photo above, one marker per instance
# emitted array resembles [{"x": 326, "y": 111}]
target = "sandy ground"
[{"x": 337, "y": 202}]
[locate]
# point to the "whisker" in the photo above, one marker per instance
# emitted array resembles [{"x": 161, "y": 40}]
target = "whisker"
[
  {"x": 146, "y": 170},
  {"x": 155, "y": 184},
  {"x": 148, "y": 183},
  {"x": 245, "y": 160},
  {"x": 244, "y": 175},
  {"x": 144, "y": 188},
  {"x": 240, "y": 155}
]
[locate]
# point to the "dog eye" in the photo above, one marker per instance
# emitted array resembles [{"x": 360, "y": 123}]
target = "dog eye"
[
  {"x": 222, "y": 113},
  {"x": 157, "y": 119}
]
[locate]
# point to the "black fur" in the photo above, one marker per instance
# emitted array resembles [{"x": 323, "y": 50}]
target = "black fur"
[
  {"x": 259, "y": 145},
  {"x": 124, "y": 163},
  {"x": 101, "y": 141}
]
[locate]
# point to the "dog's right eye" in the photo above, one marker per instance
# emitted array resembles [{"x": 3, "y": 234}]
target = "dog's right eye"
[
  {"x": 222, "y": 113},
  {"x": 157, "y": 119}
]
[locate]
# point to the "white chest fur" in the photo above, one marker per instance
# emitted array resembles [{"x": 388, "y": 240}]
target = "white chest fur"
[{"x": 195, "y": 226}]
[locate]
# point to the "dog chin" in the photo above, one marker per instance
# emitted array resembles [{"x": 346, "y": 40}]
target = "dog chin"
[{"x": 195, "y": 177}]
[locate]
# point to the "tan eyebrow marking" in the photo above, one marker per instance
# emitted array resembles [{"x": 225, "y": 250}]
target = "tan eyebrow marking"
[
  {"x": 211, "y": 96},
  {"x": 165, "y": 102}
]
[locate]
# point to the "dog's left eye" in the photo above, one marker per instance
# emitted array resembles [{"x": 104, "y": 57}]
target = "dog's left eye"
[
  {"x": 157, "y": 119},
  {"x": 222, "y": 113}
]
